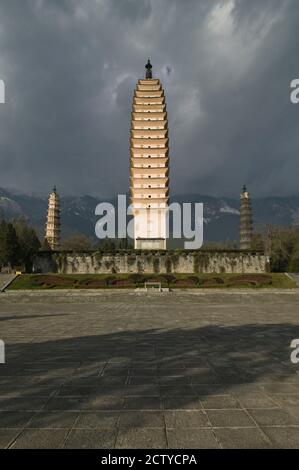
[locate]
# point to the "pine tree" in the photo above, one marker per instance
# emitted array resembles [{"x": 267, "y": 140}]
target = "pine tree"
[
  {"x": 9, "y": 245},
  {"x": 28, "y": 241}
]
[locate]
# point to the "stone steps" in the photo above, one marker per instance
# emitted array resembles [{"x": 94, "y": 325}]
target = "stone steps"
[
  {"x": 294, "y": 276},
  {"x": 5, "y": 280}
]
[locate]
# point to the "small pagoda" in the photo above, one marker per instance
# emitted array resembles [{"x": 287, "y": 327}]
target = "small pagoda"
[
  {"x": 246, "y": 229},
  {"x": 52, "y": 236}
]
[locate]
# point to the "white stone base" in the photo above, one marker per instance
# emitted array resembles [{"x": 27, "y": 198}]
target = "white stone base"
[{"x": 150, "y": 244}]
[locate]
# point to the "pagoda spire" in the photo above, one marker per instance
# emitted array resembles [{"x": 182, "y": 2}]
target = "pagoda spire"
[
  {"x": 148, "y": 67},
  {"x": 245, "y": 220}
]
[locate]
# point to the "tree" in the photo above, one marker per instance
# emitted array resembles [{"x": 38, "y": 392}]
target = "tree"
[
  {"x": 76, "y": 243},
  {"x": 257, "y": 242},
  {"x": 9, "y": 245},
  {"x": 106, "y": 244},
  {"x": 18, "y": 243},
  {"x": 28, "y": 241},
  {"x": 124, "y": 243},
  {"x": 294, "y": 262},
  {"x": 282, "y": 244},
  {"x": 45, "y": 245},
  {"x": 226, "y": 245},
  {"x": 112, "y": 244}
]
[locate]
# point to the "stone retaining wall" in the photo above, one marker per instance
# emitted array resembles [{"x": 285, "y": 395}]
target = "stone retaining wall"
[{"x": 151, "y": 262}]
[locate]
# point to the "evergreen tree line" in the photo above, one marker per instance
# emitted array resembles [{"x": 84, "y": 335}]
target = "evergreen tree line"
[
  {"x": 18, "y": 244},
  {"x": 79, "y": 242}
]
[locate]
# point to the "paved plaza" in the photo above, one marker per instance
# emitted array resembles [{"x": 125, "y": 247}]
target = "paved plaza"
[{"x": 162, "y": 370}]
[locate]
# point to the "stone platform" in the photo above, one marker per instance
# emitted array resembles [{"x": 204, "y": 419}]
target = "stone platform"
[{"x": 128, "y": 370}]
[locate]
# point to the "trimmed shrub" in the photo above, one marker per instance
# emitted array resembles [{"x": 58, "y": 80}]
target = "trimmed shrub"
[{"x": 136, "y": 278}]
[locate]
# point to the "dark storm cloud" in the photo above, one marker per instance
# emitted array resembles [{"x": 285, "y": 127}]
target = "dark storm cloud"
[{"x": 70, "y": 68}]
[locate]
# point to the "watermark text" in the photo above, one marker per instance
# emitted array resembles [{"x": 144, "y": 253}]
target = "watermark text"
[
  {"x": 2, "y": 352},
  {"x": 2, "y": 92},
  {"x": 181, "y": 220},
  {"x": 295, "y": 353},
  {"x": 294, "y": 97}
]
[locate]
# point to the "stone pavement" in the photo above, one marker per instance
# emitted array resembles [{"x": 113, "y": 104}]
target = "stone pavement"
[{"x": 127, "y": 370}]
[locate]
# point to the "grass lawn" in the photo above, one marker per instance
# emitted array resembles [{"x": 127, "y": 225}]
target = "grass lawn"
[{"x": 110, "y": 281}]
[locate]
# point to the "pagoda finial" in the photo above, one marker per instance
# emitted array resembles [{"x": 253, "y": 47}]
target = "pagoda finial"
[
  {"x": 54, "y": 189},
  {"x": 244, "y": 188},
  {"x": 148, "y": 66}
]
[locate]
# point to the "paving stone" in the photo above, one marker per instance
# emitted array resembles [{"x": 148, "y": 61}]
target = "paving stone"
[
  {"x": 169, "y": 380},
  {"x": 143, "y": 372},
  {"x": 206, "y": 378},
  {"x": 7, "y": 436},
  {"x": 274, "y": 417},
  {"x": 103, "y": 403},
  {"x": 40, "y": 439},
  {"x": 241, "y": 438},
  {"x": 77, "y": 391},
  {"x": 276, "y": 388},
  {"x": 283, "y": 437},
  {"x": 123, "y": 371},
  {"x": 229, "y": 418},
  {"x": 11, "y": 391},
  {"x": 191, "y": 439},
  {"x": 97, "y": 419},
  {"x": 181, "y": 403},
  {"x": 53, "y": 419},
  {"x": 91, "y": 439},
  {"x": 142, "y": 390},
  {"x": 256, "y": 400},
  {"x": 290, "y": 399},
  {"x": 22, "y": 404},
  {"x": 177, "y": 391},
  {"x": 142, "y": 419},
  {"x": 143, "y": 403},
  {"x": 167, "y": 371},
  {"x": 63, "y": 403},
  {"x": 97, "y": 381},
  {"x": 186, "y": 419},
  {"x": 205, "y": 390},
  {"x": 141, "y": 438},
  {"x": 15, "y": 419},
  {"x": 219, "y": 402},
  {"x": 293, "y": 411}
]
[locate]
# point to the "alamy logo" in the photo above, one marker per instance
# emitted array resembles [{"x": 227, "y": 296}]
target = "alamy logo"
[
  {"x": 116, "y": 220},
  {"x": 2, "y": 352},
  {"x": 295, "y": 353},
  {"x": 2, "y": 92},
  {"x": 294, "y": 97}
]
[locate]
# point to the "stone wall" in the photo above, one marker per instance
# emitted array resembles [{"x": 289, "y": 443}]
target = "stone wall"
[{"x": 151, "y": 262}]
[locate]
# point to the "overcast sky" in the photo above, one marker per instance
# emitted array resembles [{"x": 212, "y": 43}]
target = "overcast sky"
[{"x": 70, "y": 68}]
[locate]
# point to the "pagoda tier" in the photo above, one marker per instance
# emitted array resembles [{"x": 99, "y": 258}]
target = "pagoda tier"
[{"x": 149, "y": 164}]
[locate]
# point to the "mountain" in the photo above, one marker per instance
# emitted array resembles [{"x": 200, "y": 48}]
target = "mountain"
[{"x": 221, "y": 215}]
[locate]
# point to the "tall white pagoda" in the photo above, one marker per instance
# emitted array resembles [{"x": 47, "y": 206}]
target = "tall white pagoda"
[{"x": 149, "y": 163}]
